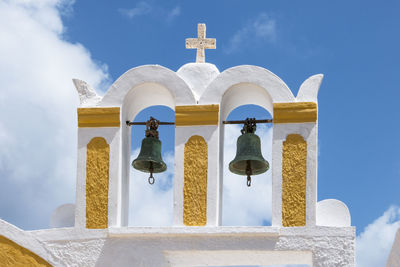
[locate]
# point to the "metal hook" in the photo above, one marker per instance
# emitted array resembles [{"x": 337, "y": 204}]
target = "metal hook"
[
  {"x": 151, "y": 179},
  {"x": 248, "y": 172}
]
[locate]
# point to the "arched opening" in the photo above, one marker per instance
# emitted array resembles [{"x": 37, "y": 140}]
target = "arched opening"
[
  {"x": 146, "y": 96},
  {"x": 152, "y": 205},
  {"x": 243, "y": 205},
  {"x": 135, "y": 90}
]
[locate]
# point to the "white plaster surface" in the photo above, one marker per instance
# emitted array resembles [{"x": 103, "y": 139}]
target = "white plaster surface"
[
  {"x": 63, "y": 216},
  {"x": 87, "y": 95},
  {"x": 198, "y": 76},
  {"x": 236, "y": 257},
  {"x": 115, "y": 208},
  {"x": 200, "y": 246},
  {"x": 394, "y": 256},
  {"x": 308, "y": 91},
  {"x": 333, "y": 212},
  {"x": 244, "y": 94},
  {"x": 275, "y": 87},
  {"x": 148, "y": 74}
]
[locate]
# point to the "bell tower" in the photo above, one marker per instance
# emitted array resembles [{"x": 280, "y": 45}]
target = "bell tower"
[
  {"x": 202, "y": 98},
  {"x": 303, "y": 231}
]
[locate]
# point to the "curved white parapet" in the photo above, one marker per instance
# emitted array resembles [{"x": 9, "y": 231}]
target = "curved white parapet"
[
  {"x": 87, "y": 95},
  {"x": 260, "y": 77},
  {"x": 308, "y": 91},
  {"x": 333, "y": 212},
  {"x": 155, "y": 74},
  {"x": 198, "y": 76},
  {"x": 63, "y": 216}
]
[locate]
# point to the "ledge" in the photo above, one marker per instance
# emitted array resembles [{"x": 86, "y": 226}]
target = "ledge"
[
  {"x": 194, "y": 230},
  {"x": 261, "y": 231}
]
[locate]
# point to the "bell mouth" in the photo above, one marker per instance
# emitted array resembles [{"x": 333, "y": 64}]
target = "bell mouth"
[
  {"x": 144, "y": 166},
  {"x": 257, "y": 166}
]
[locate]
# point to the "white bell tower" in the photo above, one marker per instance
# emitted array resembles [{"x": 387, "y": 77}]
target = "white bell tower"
[{"x": 303, "y": 230}]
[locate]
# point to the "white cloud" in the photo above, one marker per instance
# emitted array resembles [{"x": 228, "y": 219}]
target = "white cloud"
[
  {"x": 145, "y": 8},
  {"x": 142, "y": 8},
  {"x": 374, "y": 243},
  {"x": 244, "y": 205},
  {"x": 173, "y": 13},
  {"x": 262, "y": 28},
  {"x": 151, "y": 205},
  {"x": 38, "y": 110}
]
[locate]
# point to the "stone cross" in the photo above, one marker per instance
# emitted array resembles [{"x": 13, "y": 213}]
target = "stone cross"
[{"x": 200, "y": 43}]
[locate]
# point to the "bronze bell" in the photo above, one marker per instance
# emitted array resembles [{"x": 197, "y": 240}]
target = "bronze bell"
[
  {"x": 249, "y": 159},
  {"x": 149, "y": 159}
]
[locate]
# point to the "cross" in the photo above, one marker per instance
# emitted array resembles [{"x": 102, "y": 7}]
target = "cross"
[{"x": 200, "y": 43}]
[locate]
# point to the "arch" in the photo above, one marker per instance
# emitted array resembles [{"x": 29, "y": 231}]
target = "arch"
[
  {"x": 234, "y": 97},
  {"x": 156, "y": 74},
  {"x": 145, "y": 198},
  {"x": 259, "y": 195},
  {"x": 275, "y": 90},
  {"x": 135, "y": 90}
]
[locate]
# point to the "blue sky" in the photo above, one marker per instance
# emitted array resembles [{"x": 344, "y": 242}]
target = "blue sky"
[{"x": 355, "y": 44}]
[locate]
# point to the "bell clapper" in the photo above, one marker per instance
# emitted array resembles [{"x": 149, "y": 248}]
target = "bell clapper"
[
  {"x": 248, "y": 172},
  {"x": 249, "y": 126},
  {"x": 151, "y": 178}
]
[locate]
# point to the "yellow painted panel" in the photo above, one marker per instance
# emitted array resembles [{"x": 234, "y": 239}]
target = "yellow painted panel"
[
  {"x": 196, "y": 115},
  {"x": 97, "y": 179},
  {"x": 99, "y": 117},
  {"x": 294, "y": 167},
  {"x": 195, "y": 182},
  {"x": 12, "y": 254},
  {"x": 295, "y": 112}
]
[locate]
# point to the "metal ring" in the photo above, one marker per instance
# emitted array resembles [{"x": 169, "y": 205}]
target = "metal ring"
[{"x": 151, "y": 180}]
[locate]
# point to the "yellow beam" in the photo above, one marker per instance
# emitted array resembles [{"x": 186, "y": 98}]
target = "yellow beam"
[
  {"x": 99, "y": 117},
  {"x": 196, "y": 115},
  {"x": 295, "y": 112}
]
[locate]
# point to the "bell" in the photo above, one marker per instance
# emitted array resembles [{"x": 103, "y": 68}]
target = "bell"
[
  {"x": 249, "y": 160},
  {"x": 149, "y": 159}
]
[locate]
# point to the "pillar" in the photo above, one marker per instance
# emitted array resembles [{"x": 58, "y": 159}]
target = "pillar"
[
  {"x": 196, "y": 165},
  {"x": 294, "y": 164}
]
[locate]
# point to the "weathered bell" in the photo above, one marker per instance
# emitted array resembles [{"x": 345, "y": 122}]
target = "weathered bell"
[
  {"x": 149, "y": 159},
  {"x": 249, "y": 159}
]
